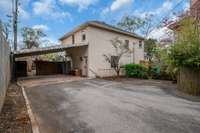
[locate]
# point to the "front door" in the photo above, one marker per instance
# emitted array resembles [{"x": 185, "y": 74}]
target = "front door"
[{"x": 85, "y": 66}]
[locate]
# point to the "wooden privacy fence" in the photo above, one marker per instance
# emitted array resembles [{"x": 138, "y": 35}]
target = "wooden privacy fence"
[{"x": 189, "y": 81}]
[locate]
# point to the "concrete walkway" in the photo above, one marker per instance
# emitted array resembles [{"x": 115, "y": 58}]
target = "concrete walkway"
[{"x": 100, "y": 106}]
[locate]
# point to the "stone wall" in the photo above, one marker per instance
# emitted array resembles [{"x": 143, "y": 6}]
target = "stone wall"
[
  {"x": 189, "y": 81},
  {"x": 4, "y": 67}
]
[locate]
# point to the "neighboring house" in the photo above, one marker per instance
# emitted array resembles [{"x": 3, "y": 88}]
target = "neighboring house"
[
  {"x": 194, "y": 11},
  {"x": 165, "y": 42},
  {"x": 90, "y": 41}
]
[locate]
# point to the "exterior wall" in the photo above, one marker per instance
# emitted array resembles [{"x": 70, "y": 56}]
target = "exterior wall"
[
  {"x": 195, "y": 9},
  {"x": 77, "y": 38},
  {"x": 78, "y": 55},
  {"x": 98, "y": 41},
  {"x": 99, "y": 44},
  {"x": 4, "y": 68},
  {"x": 30, "y": 61},
  {"x": 194, "y": 1}
]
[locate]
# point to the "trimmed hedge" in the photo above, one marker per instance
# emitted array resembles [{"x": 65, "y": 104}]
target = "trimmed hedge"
[{"x": 136, "y": 70}]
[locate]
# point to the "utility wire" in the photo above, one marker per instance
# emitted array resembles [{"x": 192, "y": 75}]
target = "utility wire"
[{"x": 168, "y": 14}]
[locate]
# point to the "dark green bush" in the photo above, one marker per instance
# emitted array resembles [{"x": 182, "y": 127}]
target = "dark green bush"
[{"x": 136, "y": 70}]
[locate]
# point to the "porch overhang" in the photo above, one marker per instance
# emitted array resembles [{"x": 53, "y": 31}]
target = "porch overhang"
[{"x": 46, "y": 50}]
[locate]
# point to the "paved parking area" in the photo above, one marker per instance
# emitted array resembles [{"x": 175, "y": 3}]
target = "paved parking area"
[{"x": 101, "y": 106}]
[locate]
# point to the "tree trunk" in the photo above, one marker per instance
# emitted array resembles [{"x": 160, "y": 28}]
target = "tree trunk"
[
  {"x": 149, "y": 71},
  {"x": 118, "y": 72}
]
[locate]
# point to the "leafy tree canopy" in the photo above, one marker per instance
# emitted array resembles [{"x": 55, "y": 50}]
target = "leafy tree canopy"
[
  {"x": 32, "y": 37},
  {"x": 186, "y": 49}
]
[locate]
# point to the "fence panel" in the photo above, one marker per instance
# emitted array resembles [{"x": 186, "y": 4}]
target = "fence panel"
[{"x": 4, "y": 67}]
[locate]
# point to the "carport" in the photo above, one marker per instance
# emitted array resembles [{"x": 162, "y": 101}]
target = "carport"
[{"x": 75, "y": 59}]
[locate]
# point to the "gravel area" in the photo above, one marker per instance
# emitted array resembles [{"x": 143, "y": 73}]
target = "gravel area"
[{"x": 14, "y": 117}]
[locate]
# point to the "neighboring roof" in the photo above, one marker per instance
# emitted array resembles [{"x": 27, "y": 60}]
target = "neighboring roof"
[
  {"x": 45, "y": 50},
  {"x": 104, "y": 26}
]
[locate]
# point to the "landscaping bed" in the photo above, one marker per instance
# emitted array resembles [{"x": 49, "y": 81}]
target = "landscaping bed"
[{"x": 14, "y": 117}]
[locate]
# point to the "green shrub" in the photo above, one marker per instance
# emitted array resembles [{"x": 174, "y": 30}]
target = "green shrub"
[
  {"x": 155, "y": 72},
  {"x": 136, "y": 70},
  {"x": 186, "y": 50}
]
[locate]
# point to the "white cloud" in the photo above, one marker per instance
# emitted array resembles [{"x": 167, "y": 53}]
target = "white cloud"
[
  {"x": 81, "y": 4},
  {"x": 186, "y": 6},
  {"x": 23, "y": 14},
  {"x": 142, "y": 14},
  {"x": 105, "y": 11},
  {"x": 41, "y": 27},
  {"x": 166, "y": 6},
  {"x": 43, "y": 7},
  {"x": 6, "y": 8},
  {"x": 118, "y": 4},
  {"x": 160, "y": 33},
  {"x": 118, "y": 8},
  {"x": 49, "y": 10}
]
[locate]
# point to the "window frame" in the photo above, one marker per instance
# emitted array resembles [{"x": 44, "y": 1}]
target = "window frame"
[
  {"x": 140, "y": 44},
  {"x": 83, "y": 37},
  {"x": 73, "y": 39}
]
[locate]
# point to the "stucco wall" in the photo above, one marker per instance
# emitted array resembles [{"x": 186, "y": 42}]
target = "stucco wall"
[
  {"x": 77, "y": 38},
  {"x": 4, "y": 68},
  {"x": 98, "y": 41},
  {"x": 99, "y": 44},
  {"x": 78, "y": 54}
]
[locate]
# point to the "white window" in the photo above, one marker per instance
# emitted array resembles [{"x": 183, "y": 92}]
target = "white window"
[
  {"x": 140, "y": 44},
  {"x": 73, "y": 39},
  {"x": 83, "y": 37},
  {"x": 127, "y": 43}
]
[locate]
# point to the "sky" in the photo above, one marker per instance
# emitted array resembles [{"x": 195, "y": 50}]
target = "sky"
[{"x": 56, "y": 17}]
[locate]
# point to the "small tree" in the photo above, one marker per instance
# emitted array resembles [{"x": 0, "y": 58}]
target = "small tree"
[
  {"x": 52, "y": 57},
  {"x": 186, "y": 50},
  {"x": 121, "y": 48},
  {"x": 130, "y": 23},
  {"x": 32, "y": 37},
  {"x": 142, "y": 25},
  {"x": 150, "y": 48}
]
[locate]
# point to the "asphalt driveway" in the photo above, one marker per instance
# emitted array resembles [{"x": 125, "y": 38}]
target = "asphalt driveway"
[{"x": 101, "y": 106}]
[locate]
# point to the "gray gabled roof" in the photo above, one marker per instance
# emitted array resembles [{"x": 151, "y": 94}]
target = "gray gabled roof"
[{"x": 104, "y": 26}]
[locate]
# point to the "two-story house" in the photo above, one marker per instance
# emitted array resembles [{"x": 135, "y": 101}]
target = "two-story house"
[{"x": 91, "y": 40}]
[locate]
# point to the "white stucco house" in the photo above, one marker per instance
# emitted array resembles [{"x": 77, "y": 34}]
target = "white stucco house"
[{"x": 91, "y": 40}]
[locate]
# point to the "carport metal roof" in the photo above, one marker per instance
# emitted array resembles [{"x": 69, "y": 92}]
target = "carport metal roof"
[{"x": 46, "y": 50}]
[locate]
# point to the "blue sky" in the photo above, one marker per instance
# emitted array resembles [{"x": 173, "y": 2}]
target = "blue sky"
[{"x": 57, "y": 17}]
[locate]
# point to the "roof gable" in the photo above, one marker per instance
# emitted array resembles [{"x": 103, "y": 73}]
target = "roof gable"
[{"x": 101, "y": 25}]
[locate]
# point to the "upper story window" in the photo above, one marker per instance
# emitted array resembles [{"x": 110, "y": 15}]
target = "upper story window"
[
  {"x": 73, "y": 39},
  {"x": 83, "y": 37},
  {"x": 127, "y": 43},
  {"x": 140, "y": 44}
]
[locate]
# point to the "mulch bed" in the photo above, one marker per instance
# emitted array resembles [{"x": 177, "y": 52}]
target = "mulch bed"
[{"x": 14, "y": 117}]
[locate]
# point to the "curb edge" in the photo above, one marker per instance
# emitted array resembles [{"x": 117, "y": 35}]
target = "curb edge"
[{"x": 35, "y": 127}]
